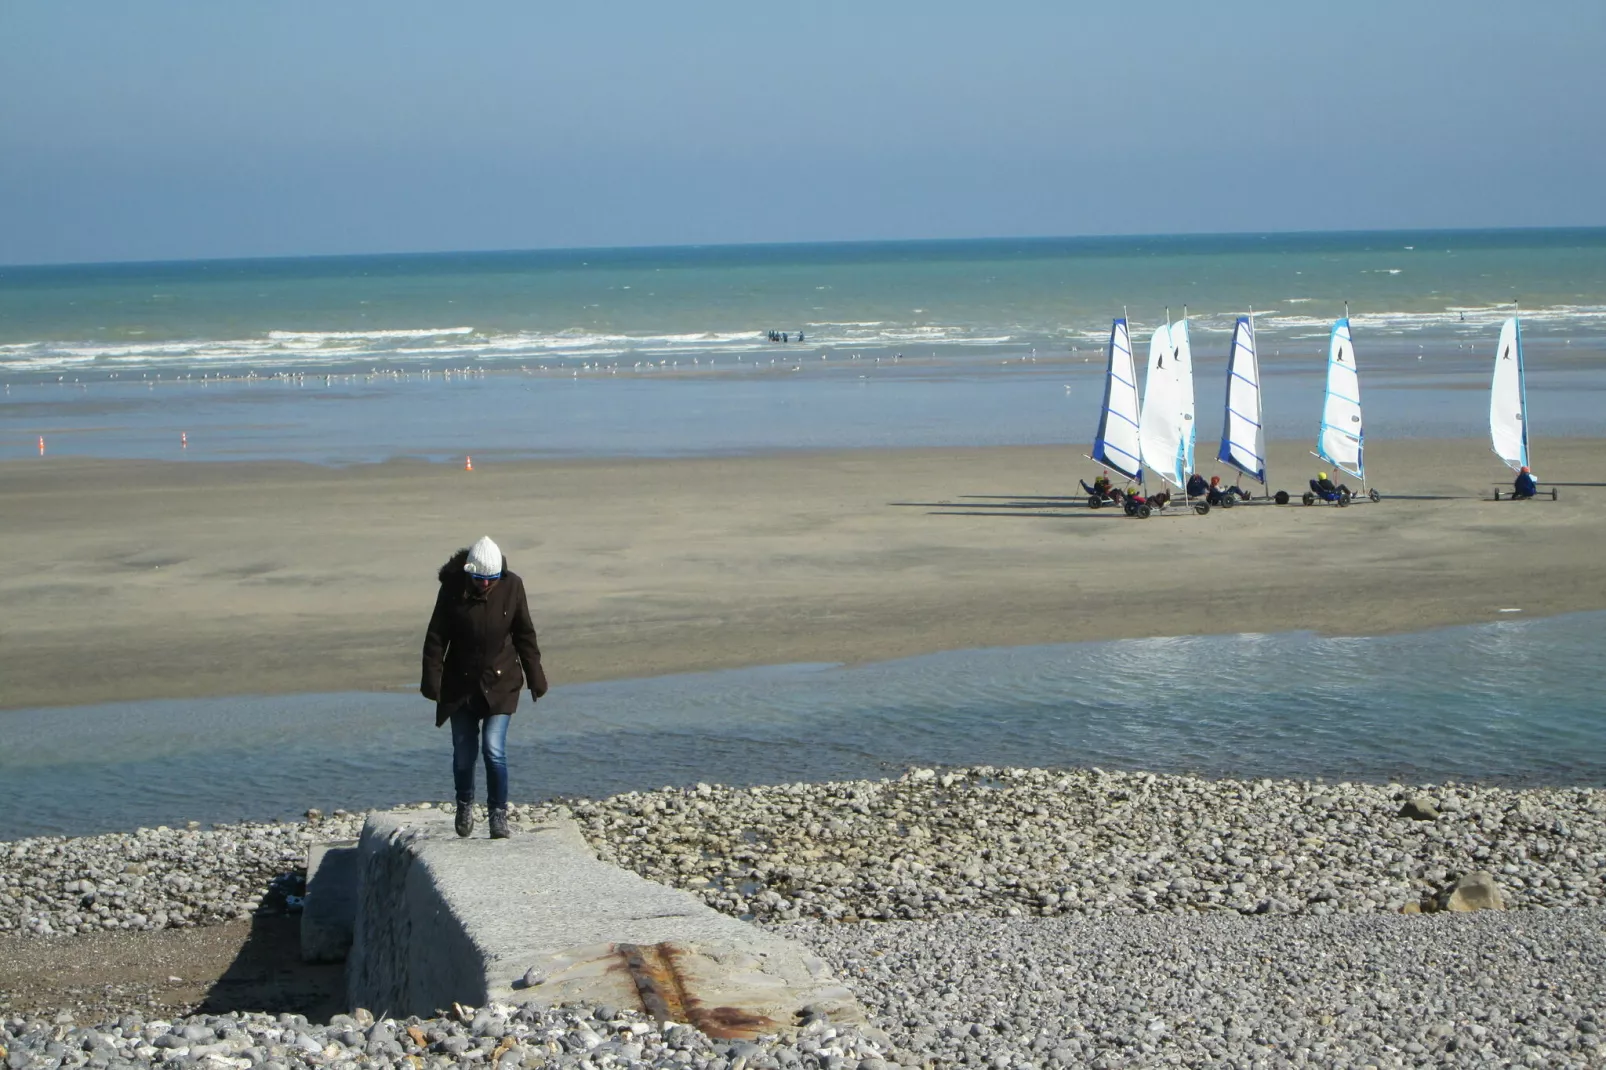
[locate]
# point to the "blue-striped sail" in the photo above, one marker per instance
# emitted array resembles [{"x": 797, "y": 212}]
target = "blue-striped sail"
[
  {"x": 1242, "y": 438},
  {"x": 1339, "y": 440},
  {"x": 1116, "y": 445}
]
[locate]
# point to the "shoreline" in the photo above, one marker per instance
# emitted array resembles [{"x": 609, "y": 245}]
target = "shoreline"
[
  {"x": 987, "y": 840},
  {"x": 148, "y": 580}
]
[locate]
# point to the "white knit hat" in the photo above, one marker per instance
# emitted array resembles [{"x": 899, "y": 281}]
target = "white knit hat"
[{"x": 484, "y": 559}]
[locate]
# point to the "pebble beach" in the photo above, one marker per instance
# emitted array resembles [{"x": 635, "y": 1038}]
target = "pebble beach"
[{"x": 984, "y": 916}]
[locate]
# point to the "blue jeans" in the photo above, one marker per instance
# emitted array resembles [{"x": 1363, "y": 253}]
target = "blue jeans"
[{"x": 472, "y": 732}]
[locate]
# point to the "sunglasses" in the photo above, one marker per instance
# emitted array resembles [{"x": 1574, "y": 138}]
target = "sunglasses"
[{"x": 485, "y": 579}]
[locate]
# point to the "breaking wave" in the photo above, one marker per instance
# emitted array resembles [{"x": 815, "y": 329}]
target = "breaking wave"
[{"x": 293, "y": 350}]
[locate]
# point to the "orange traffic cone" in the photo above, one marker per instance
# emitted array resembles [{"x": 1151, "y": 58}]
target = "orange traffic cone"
[{"x": 468, "y": 462}]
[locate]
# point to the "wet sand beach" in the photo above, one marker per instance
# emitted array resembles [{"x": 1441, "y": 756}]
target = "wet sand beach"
[{"x": 127, "y": 580}]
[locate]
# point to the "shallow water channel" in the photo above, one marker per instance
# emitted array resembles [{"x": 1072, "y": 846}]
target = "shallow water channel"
[{"x": 1515, "y": 701}]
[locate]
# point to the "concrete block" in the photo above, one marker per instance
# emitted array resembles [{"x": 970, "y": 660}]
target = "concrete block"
[
  {"x": 330, "y": 911},
  {"x": 538, "y": 918}
]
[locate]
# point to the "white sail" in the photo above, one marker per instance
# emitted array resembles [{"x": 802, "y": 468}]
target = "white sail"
[
  {"x": 1182, "y": 349},
  {"x": 1116, "y": 445},
  {"x": 1339, "y": 440},
  {"x": 1157, "y": 435},
  {"x": 1508, "y": 399},
  {"x": 1165, "y": 428},
  {"x": 1242, "y": 439}
]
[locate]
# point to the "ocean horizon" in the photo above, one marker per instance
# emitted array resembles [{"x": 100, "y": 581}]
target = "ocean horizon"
[{"x": 1519, "y": 235}]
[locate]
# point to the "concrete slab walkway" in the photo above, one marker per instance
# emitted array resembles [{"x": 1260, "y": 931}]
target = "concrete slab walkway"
[{"x": 538, "y": 918}]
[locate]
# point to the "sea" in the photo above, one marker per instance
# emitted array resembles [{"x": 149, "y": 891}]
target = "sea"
[
  {"x": 731, "y": 350},
  {"x": 666, "y": 352}
]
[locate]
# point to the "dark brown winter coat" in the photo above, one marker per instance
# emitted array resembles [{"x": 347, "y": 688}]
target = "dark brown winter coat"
[{"x": 478, "y": 642}]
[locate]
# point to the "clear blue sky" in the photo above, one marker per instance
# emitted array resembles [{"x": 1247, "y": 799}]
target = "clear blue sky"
[{"x": 196, "y": 129}]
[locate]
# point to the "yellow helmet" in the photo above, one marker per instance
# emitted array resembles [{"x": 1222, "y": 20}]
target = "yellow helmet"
[{"x": 1321, "y": 475}]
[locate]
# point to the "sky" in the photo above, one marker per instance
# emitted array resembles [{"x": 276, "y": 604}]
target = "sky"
[{"x": 179, "y": 130}]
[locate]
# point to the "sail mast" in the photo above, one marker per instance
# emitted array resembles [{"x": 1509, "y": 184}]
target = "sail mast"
[
  {"x": 1260, "y": 405},
  {"x": 1360, "y": 443},
  {"x": 1183, "y": 366},
  {"x": 1137, "y": 416},
  {"x": 1522, "y": 385}
]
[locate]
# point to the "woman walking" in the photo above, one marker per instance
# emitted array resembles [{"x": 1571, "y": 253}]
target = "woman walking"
[{"x": 480, "y": 637}]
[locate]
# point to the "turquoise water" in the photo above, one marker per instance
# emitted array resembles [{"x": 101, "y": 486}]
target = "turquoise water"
[
  {"x": 664, "y": 351},
  {"x": 1515, "y": 702},
  {"x": 510, "y": 308}
]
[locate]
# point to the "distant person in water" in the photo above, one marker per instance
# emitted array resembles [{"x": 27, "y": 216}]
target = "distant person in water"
[
  {"x": 479, "y": 651},
  {"x": 1524, "y": 486}
]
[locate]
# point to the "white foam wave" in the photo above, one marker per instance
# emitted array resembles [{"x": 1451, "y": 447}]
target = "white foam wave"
[
  {"x": 824, "y": 324},
  {"x": 298, "y": 350},
  {"x": 395, "y": 332}
]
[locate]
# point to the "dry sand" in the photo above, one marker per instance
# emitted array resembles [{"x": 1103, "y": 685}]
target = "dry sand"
[{"x": 132, "y": 580}]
